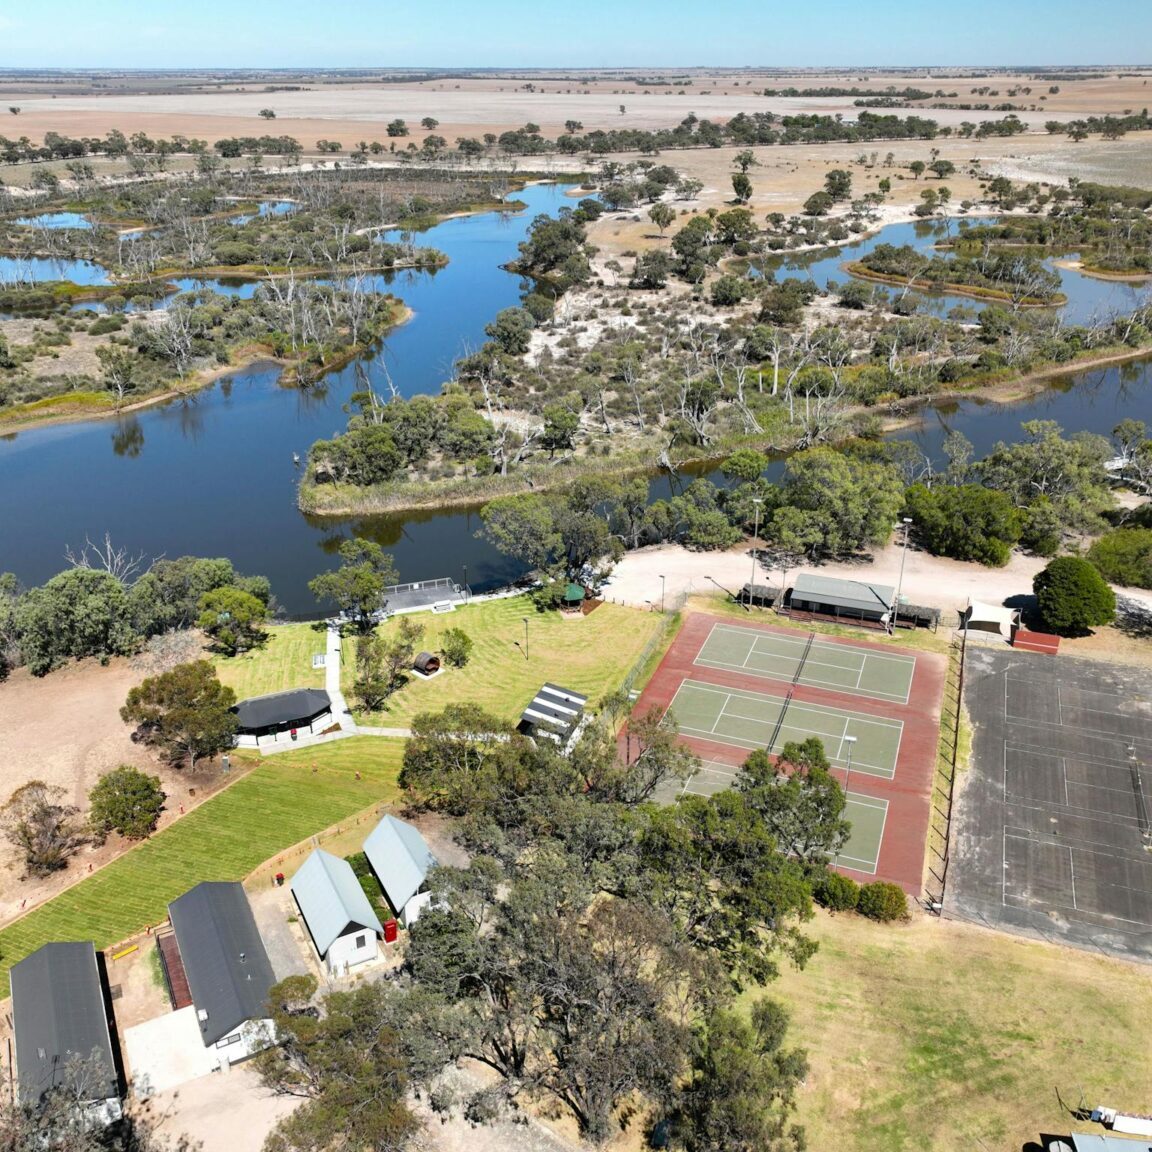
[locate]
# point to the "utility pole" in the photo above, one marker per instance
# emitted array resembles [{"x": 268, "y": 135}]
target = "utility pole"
[
  {"x": 906, "y": 524},
  {"x": 757, "y": 501}
]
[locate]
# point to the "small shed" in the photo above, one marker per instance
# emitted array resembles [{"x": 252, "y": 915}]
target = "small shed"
[
  {"x": 60, "y": 1013},
  {"x": 555, "y": 712},
  {"x": 427, "y": 664},
  {"x": 844, "y": 599},
  {"x": 758, "y": 595},
  {"x": 401, "y": 860},
  {"x": 340, "y": 918},
  {"x": 269, "y": 718}
]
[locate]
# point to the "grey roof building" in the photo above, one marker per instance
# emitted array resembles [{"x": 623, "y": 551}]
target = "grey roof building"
[
  {"x": 852, "y": 596},
  {"x": 59, "y": 1014},
  {"x": 331, "y": 900},
  {"x": 401, "y": 859},
  {"x": 280, "y": 710},
  {"x": 229, "y": 973}
]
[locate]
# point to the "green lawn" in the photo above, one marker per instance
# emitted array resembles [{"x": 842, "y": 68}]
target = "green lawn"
[
  {"x": 284, "y": 662},
  {"x": 273, "y": 807},
  {"x": 948, "y": 1036},
  {"x": 590, "y": 654}
]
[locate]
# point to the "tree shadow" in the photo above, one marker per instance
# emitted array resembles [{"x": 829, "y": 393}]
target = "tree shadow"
[{"x": 1133, "y": 618}]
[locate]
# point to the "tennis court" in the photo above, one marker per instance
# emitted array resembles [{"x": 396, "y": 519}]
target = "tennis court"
[
  {"x": 803, "y": 659},
  {"x": 752, "y": 720},
  {"x": 867, "y": 815},
  {"x": 1054, "y": 834}
]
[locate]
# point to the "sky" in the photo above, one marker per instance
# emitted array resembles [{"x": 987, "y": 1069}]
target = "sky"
[{"x": 588, "y": 33}]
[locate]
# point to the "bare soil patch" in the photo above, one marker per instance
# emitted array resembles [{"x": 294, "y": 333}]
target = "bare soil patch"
[{"x": 65, "y": 729}]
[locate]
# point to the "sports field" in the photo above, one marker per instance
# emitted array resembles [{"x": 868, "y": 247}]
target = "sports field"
[
  {"x": 806, "y": 660},
  {"x": 734, "y": 688},
  {"x": 754, "y": 720}
]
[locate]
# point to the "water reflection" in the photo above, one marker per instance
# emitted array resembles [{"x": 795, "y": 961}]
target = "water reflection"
[{"x": 128, "y": 437}]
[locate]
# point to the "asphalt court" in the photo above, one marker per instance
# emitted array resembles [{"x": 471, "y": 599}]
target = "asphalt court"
[
  {"x": 1053, "y": 834},
  {"x": 840, "y": 667},
  {"x": 867, "y": 815},
  {"x": 752, "y": 720}
]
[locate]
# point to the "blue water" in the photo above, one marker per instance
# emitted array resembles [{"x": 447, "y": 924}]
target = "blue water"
[
  {"x": 57, "y": 220},
  {"x": 213, "y": 475},
  {"x": 267, "y": 208},
  {"x": 1088, "y": 298},
  {"x": 37, "y": 269}
]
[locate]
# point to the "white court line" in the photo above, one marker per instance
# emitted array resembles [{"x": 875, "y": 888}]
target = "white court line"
[
  {"x": 1072, "y": 873},
  {"x": 840, "y": 747},
  {"x": 720, "y": 716}
]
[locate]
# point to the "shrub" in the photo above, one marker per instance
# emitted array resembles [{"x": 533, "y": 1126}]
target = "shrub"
[
  {"x": 1072, "y": 596},
  {"x": 1124, "y": 557},
  {"x": 456, "y": 647},
  {"x": 836, "y": 893},
  {"x": 127, "y": 801},
  {"x": 882, "y": 901}
]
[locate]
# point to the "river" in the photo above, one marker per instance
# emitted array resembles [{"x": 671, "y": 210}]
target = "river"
[{"x": 214, "y": 476}]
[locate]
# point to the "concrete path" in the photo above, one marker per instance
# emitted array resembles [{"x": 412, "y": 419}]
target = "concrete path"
[{"x": 332, "y": 666}]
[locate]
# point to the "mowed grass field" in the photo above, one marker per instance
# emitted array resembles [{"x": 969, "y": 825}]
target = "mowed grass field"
[
  {"x": 589, "y": 654},
  {"x": 274, "y": 806},
  {"x": 284, "y": 662},
  {"x": 953, "y": 1037}
]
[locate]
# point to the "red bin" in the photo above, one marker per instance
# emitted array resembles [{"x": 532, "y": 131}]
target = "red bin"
[{"x": 391, "y": 931}]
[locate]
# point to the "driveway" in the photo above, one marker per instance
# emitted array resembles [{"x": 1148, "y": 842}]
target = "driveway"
[{"x": 284, "y": 941}]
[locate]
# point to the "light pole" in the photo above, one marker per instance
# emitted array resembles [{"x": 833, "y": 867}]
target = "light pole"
[
  {"x": 525, "y": 637},
  {"x": 467, "y": 594},
  {"x": 661, "y": 595},
  {"x": 906, "y": 524},
  {"x": 757, "y": 501},
  {"x": 850, "y": 741}
]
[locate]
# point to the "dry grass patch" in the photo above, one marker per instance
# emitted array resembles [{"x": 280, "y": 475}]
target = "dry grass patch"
[{"x": 947, "y": 1036}]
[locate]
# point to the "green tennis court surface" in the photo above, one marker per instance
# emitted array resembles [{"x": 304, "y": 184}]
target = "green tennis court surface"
[
  {"x": 751, "y": 720},
  {"x": 867, "y": 815},
  {"x": 821, "y": 664}
]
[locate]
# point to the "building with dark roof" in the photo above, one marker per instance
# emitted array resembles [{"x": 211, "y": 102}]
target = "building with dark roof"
[
  {"x": 268, "y": 718},
  {"x": 60, "y": 1015},
  {"x": 401, "y": 860},
  {"x": 338, "y": 914},
  {"x": 555, "y": 713},
  {"x": 227, "y": 968}
]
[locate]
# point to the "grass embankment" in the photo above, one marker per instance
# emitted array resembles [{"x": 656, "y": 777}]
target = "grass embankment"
[
  {"x": 274, "y": 806},
  {"x": 947, "y": 1036},
  {"x": 282, "y": 663},
  {"x": 589, "y": 654},
  {"x": 946, "y": 288}
]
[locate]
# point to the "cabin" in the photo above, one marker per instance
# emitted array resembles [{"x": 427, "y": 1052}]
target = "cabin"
[
  {"x": 224, "y": 968},
  {"x": 61, "y": 1014},
  {"x": 555, "y": 713},
  {"x": 268, "y": 719},
  {"x": 344, "y": 927},
  {"x": 401, "y": 860}
]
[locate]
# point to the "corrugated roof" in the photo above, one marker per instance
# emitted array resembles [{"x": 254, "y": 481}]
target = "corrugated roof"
[
  {"x": 331, "y": 899},
  {"x": 1102, "y": 1142},
  {"x": 557, "y": 709},
  {"x": 58, "y": 1014},
  {"x": 400, "y": 857},
  {"x": 282, "y": 707},
  {"x": 224, "y": 958},
  {"x": 856, "y": 594}
]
